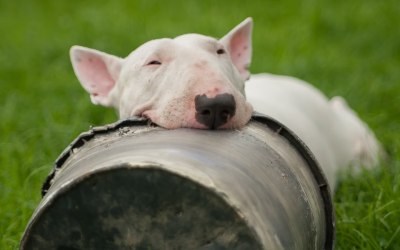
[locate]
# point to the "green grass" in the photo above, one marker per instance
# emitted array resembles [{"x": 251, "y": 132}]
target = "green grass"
[{"x": 343, "y": 47}]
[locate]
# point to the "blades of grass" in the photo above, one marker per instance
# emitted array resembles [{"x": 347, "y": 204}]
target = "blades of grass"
[
  {"x": 366, "y": 173},
  {"x": 392, "y": 238},
  {"x": 377, "y": 210},
  {"x": 367, "y": 241},
  {"x": 45, "y": 167},
  {"x": 385, "y": 223},
  {"x": 390, "y": 213}
]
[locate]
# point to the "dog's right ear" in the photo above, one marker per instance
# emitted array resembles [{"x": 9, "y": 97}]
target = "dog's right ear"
[
  {"x": 238, "y": 43},
  {"x": 97, "y": 72}
]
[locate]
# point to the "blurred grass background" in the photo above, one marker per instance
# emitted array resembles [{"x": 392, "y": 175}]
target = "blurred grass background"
[{"x": 347, "y": 48}]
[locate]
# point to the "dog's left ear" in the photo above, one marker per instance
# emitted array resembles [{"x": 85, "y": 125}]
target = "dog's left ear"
[
  {"x": 97, "y": 71},
  {"x": 238, "y": 43}
]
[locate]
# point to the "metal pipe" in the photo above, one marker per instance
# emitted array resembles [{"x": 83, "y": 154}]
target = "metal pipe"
[{"x": 129, "y": 185}]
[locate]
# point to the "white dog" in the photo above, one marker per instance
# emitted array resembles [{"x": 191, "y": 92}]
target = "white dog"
[{"x": 199, "y": 82}]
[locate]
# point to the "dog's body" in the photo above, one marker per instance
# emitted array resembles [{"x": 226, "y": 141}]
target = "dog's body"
[
  {"x": 332, "y": 131},
  {"x": 199, "y": 82}
]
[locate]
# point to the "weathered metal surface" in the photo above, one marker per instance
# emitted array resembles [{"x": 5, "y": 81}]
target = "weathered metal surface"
[{"x": 132, "y": 186}]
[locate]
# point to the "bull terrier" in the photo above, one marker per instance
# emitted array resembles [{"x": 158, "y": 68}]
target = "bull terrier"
[{"x": 197, "y": 81}]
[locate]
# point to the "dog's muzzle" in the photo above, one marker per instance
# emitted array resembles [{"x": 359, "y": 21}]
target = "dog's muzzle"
[{"x": 214, "y": 112}]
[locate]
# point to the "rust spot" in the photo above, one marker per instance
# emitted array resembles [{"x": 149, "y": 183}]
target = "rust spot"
[
  {"x": 77, "y": 59},
  {"x": 90, "y": 59},
  {"x": 245, "y": 47}
]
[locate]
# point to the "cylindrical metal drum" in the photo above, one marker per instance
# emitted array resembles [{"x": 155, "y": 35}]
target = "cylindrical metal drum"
[{"x": 130, "y": 185}]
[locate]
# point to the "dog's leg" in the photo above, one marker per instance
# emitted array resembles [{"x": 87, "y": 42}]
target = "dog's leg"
[{"x": 365, "y": 147}]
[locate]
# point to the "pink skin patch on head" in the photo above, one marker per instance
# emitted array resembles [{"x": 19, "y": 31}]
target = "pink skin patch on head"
[{"x": 190, "y": 121}]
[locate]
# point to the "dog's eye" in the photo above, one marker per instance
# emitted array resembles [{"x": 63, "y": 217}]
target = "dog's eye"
[
  {"x": 154, "y": 62},
  {"x": 220, "y": 51}
]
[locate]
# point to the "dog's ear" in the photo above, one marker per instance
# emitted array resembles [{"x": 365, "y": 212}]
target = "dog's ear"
[
  {"x": 238, "y": 43},
  {"x": 97, "y": 72}
]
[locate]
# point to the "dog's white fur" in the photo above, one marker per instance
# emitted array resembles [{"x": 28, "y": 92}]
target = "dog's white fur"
[
  {"x": 332, "y": 131},
  {"x": 190, "y": 66}
]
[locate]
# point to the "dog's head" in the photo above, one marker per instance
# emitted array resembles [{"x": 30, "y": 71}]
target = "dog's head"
[{"x": 191, "y": 81}]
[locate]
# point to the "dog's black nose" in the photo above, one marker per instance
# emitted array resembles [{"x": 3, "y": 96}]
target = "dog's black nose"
[{"x": 214, "y": 112}]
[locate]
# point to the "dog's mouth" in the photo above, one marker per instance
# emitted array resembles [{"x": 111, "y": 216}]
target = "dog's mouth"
[
  {"x": 146, "y": 116},
  {"x": 191, "y": 118},
  {"x": 150, "y": 122}
]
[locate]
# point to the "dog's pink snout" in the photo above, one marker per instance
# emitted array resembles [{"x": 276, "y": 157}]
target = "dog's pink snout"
[{"x": 214, "y": 112}]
